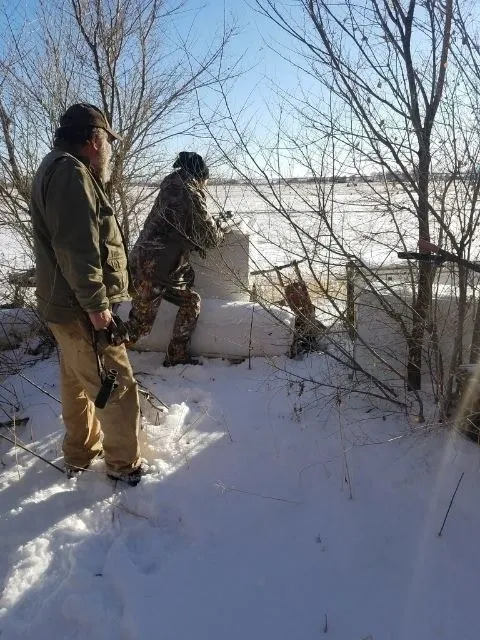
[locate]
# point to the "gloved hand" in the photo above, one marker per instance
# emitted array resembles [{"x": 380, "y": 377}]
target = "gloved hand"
[
  {"x": 225, "y": 222},
  {"x": 116, "y": 333},
  {"x": 224, "y": 228}
]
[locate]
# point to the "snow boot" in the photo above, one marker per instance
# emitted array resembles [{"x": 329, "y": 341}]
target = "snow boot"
[
  {"x": 178, "y": 353},
  {"x": 170, "y": 362},
  {"x": 73, "y": 471},
  {"x": 132, "y": 478}
]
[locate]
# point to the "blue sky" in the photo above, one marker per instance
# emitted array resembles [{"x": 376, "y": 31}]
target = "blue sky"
[
  {"x": 255, "y": 34},
  {"x": 264, "y": 68},
  {"x": 253, "y": 92}
]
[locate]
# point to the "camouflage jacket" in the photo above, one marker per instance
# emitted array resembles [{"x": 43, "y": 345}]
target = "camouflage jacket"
[
  {"x": 177, "y": 224},
  {"x": 81, "y": 261}
]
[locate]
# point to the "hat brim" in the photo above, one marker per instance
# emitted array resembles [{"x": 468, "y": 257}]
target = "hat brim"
[{"x": 112, "y": 133}]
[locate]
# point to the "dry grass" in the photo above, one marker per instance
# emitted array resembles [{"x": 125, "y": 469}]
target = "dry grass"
[{"x": 268, "y": 289}]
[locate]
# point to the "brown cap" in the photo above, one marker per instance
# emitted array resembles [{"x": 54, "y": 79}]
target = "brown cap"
[{"x": 86, "y": 115}]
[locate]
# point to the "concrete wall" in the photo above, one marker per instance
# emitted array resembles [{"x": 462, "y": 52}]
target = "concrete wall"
[
  {"x": 228, "y": 329},
  {"x": 225, "y": 272},
  {"x": 229, "y": 324},
  {"x": 382, "y": 332}
]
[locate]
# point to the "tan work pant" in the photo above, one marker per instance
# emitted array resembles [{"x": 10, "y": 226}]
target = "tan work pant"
[{"x": 84, "y": 423}]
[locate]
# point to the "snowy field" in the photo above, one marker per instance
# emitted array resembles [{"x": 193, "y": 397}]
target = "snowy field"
[
  {"x": 274, "y": 240},
  {"x": 271, "y": 511},
  {"x": 363, "y": 225},
  {"x": 355, "y": 217},
  {"x": 360, "y": 214}
]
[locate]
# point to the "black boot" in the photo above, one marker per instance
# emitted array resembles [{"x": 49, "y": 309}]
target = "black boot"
[
  {"x": 132, "y": 478},
  {"x": 178, "y": 353}
]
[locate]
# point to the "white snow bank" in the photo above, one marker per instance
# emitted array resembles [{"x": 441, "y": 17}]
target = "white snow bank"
[
  {"x": 272, "y": 511},
  {"x": 229, "y": 329}
]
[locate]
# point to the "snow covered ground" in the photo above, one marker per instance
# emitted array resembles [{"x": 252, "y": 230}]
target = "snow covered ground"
[{"x": 272, "y": 512}]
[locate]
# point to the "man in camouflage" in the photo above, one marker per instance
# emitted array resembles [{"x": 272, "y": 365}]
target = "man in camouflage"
[{"x": 177, "y": 224}]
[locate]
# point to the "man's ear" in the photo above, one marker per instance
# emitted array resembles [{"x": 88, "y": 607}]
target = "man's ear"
[{"x": 94, "y": 143}]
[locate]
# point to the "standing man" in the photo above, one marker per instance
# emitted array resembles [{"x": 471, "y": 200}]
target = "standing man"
[
  {"x": 177, "y": 224},
  {"x": 81, "y": 271}
]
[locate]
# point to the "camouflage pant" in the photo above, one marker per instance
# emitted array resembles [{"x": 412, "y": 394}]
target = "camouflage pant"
[{"x": 144, "y": 311}]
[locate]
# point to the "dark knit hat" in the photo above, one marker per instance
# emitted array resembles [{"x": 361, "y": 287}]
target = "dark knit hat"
[
  {"x": 83, "y": 115},
  {"x": 193, "y": 163}
]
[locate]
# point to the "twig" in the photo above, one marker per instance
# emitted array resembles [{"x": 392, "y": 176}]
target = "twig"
[
  {"x": 196, "y": 421},
  {"x": 122, "y": 507},
  {"x": 15, "y": 423},
  {"x": 130, "y": 511},
  {"x": 224, "y": 488},
  {"x": 451, "y": 502},
  {"x": 250, "y": 339},
  {"x": 34, "y": 384},
  {"x": 283, "y": 266},
  {"x": 149, "y": 395},
  {"x": 37, "y": 455},
  {"x": 16, "y": 449},
  {"x": 226, "y": 427},
  {"x": 344, "y": 451}
]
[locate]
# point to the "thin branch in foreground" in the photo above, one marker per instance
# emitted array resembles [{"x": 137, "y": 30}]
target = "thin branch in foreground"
[
  {"x": 223, "y": 488},
  {"x": 451, "y": 502},
  {"x": 347, "y": 478},
  {"x": 34, "y": 384},
  {"x": 16, "y": 443},
  {"x": 122, "y": 507}
]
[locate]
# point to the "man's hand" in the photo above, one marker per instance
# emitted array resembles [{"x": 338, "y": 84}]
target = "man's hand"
[
  {"x": 424, "y": 245},
  {"x": 100, "y": 319}
]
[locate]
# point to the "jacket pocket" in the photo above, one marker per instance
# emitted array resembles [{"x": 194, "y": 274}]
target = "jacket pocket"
[
  {"x": 116, "y": 261},
  {"x": 115, "y": 274},
  {"x": 105, "y": 209}
]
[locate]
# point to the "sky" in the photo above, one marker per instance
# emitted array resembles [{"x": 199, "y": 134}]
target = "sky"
[
  {"x": 257, "y": 45},
  {"x": 255, "y": 38},
  {"x": 266, "y": 60},
  {"x": 252, "y": 95}
]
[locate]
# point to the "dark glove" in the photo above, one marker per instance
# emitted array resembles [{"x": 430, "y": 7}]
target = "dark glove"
[{"x": 224, "y": 221}]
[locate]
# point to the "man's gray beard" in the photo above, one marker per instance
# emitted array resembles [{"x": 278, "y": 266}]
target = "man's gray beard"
[
  {"x": 104, "y": 165},
  {"x": 105, "y": 173}
]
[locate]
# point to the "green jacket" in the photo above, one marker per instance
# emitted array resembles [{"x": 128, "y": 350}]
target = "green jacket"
[{"x": 81, "y": 259}]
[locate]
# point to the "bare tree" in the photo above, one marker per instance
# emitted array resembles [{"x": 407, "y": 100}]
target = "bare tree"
[
  {"x": 119, "y": 54},
  {"x": 387, "y": 113},
  {"x": 386, "y": 63}
]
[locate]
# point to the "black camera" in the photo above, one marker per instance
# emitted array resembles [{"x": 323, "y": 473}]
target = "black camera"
[{"x": 109, "y": 384}]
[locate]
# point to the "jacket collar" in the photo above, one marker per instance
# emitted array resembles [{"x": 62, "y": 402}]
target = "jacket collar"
[{"x": 73, "y": 151}]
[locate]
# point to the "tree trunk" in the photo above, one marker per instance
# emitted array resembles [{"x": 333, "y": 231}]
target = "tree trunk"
[{"x": 422, "y": 303}]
